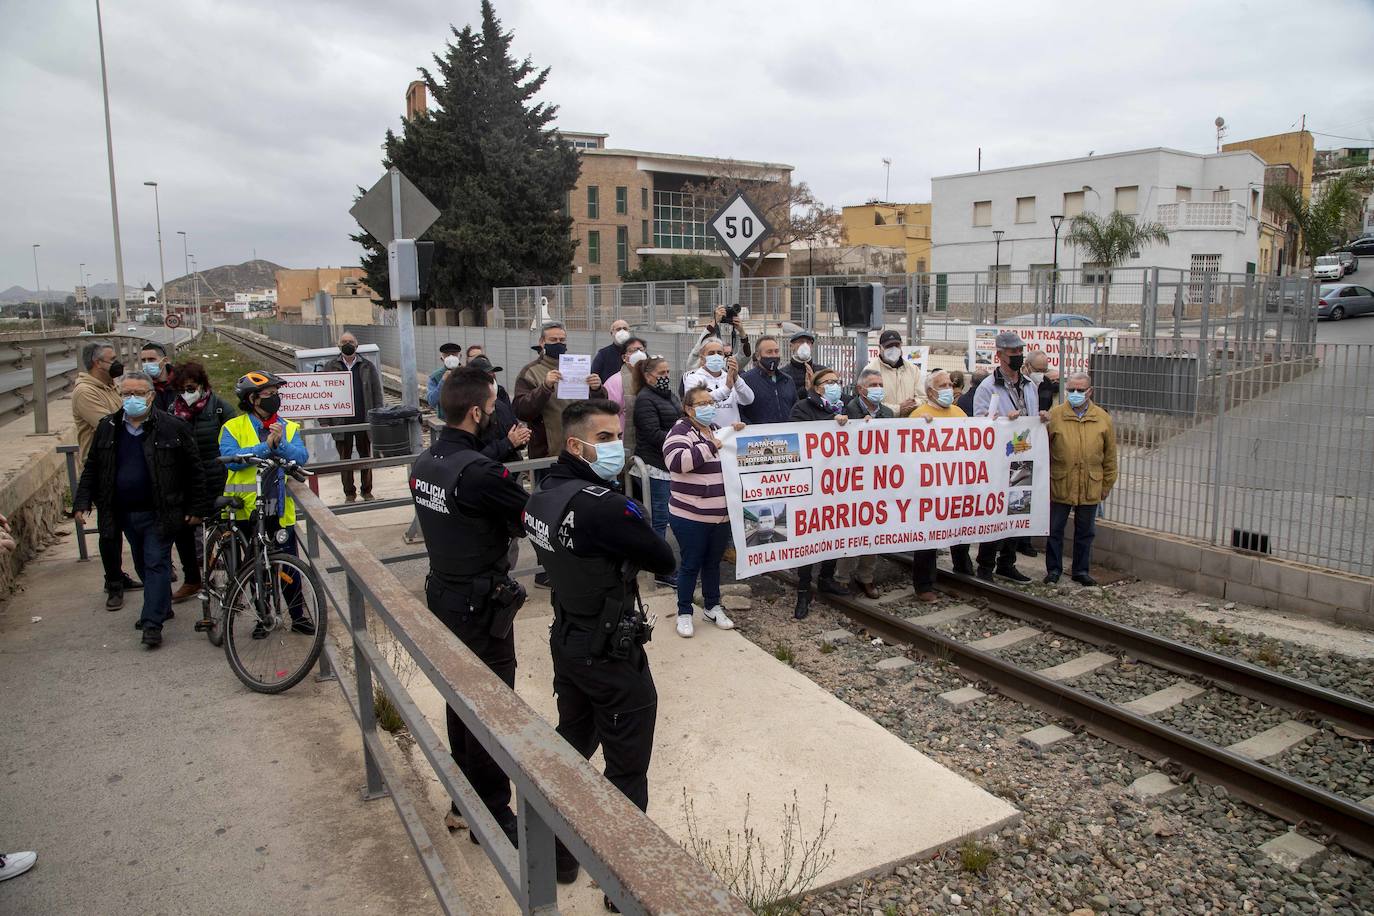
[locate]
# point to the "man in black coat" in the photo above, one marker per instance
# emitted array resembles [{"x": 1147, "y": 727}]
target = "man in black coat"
[
  {"x": 367, "y": 394},
  {"x": 505, "y": 436},
  {"x": 144, "y": 474},
  {"x": 800, "y": 367},
  {"x": 774, "y": 390},
  {"x": 607, "y": 360}
]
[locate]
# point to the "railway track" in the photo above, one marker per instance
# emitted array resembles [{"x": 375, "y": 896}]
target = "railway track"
[
  {"x": 282, "y": 356},
  {"x": 1133, "y": 725}
]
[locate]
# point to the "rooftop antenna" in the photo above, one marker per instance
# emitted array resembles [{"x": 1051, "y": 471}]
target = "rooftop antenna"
[{"x": 1220, "y": 122}]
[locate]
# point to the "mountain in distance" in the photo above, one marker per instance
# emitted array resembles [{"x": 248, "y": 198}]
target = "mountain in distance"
[
  {"x": 224, "y": 281},
  {"x": 104, "y": 290}
]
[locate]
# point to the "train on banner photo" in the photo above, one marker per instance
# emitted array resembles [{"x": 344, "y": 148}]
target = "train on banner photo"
[{"x": 804, "y": 492}]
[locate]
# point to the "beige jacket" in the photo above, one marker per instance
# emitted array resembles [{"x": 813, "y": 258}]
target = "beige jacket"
[
  {"x": 900, "y": 383},
  {"x": 91, "y": 400}
]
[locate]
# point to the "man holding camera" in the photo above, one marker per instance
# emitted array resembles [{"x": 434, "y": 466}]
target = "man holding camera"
[
  {"x": 469, "y": 510},
  {"x": 592, "y": 541}
]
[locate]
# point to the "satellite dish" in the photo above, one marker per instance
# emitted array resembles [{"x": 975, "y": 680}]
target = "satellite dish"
[{"x": 1220, "y": 121}]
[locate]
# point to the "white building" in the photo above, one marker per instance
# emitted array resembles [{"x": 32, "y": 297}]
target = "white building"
[{"x": 1210, "y": 204}]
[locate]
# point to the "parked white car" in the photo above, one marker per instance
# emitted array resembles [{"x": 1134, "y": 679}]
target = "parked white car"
[{"x": 1328, "y": 267}]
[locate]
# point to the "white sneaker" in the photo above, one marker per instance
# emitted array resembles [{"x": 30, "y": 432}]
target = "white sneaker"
[
  {"x": 16, "y": 863},
  {"x": 718, "y": 616},
  {"x": 684, "y": 626}
]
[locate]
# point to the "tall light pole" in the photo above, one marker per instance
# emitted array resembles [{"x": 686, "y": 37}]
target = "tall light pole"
[
  {"x": 161, "y": 268},
  {"x": 195, "y": 286},
  {"x": 1054, "y": 274},
  {"x": 84, "y": 306},
  {"x": 38, "y": 289},
  {"x": 185, "y": 252},
  {"x": 996, "y": 271},
  {"x": 109, "y": 154},
  {"x": 887, "y": 181}
]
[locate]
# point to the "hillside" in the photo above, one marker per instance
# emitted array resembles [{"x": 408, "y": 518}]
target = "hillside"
[
  {"x": 20, "y": 294},
  {"x": 223, "y": 282}
]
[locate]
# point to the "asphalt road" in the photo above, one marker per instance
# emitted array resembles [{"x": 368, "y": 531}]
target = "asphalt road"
[{"x": 1352, "y": 330}]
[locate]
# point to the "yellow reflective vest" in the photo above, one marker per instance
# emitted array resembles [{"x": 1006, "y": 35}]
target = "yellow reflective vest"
[{"x": 243, "y": 482}]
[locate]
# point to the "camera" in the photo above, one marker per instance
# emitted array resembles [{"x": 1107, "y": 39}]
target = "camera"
[{"x": 732, "y": 312}]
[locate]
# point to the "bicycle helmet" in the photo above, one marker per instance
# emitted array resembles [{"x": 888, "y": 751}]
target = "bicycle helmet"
[{"x": 254, "y": 382}]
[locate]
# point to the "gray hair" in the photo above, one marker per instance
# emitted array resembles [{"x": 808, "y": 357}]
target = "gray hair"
[
  {"x": 930, "y": 379},
  {"x": 1080, "y": 374},
  {"x": 91, "y": 351},
  {"x": 869, "y": 373},
  {"x": 1037, "y": 357},
  {"x": 136, "y": 375},
  {"x": 548, "y": 326},
  {"x": 706, "y": 342}
]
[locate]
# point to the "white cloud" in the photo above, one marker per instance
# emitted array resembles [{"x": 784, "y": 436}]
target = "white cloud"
[{"x": 259, "y": 118}]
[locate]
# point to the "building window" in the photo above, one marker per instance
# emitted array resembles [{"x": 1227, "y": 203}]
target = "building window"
[
  {"x": 593, "y": 202},
  {"x": 644, "y": 232},
  {"x": 1254, "y": 203},
  {"x": 680, "y": 222},
  {"x": 1039, "y": 274},
  {"x": 643, "y": 198},
  {"x": 594, "y": 247},
  {"x": 1126, "y": 199},
  {"x": 1094, "y": 274},
  {"x": 1073, "y": 204},
  {"x": 1025, "y": 209},
  {"x": 999, "y": 274},
  {"x": 920, "y": 265},
  {"x": 622, "y": 200},
  {"x": 1183, "y": 195},
  {"x": 622, "y": 250},
  {"x": 594, "y": 280},
  {"x": 982, "y": 213},
  {"x": 1221, "y": 195}
]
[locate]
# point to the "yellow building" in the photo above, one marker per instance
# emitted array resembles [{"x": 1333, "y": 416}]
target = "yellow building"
[
  {"x": 294, "y": 286},
  {"x": 1290, "y": 159},
  {"x": 1295, "y": 148},
  {"x": 885, "y": 225}
]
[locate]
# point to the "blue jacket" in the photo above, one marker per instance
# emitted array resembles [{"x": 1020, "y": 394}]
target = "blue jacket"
[{"x": 773, "y": 397}]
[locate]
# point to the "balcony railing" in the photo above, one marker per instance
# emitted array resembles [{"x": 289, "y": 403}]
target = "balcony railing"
[{"x": 1223, "y": 215}]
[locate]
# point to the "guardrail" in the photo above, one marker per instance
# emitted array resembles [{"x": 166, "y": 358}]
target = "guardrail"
[{"x": 635, "y": 863}]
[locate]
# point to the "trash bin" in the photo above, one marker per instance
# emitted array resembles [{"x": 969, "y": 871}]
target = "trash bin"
[{"x": 395, "y": 430}]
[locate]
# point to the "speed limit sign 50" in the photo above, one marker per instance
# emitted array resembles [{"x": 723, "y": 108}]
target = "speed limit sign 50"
[
  {"x": 739, "y": 227},
  {"x": 172, "y": 321}
]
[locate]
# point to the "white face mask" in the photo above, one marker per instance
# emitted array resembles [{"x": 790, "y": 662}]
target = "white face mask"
[
  {"x": 892, "y": 355},
  {"x": 452, "y": 362},
  {"x": 190, "y": 397},
  {"x": 637, "y": 357},
  {"x": 1036, "y": 377},
  {"x": 803, "y": 353},
  {"x": 620, "y": 337}
]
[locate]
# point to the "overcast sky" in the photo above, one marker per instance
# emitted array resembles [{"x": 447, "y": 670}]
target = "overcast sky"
[{"x": 259, "y": 118}]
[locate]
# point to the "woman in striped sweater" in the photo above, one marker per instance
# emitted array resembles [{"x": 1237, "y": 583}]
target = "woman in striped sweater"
[{"x": 696, "y": 508}]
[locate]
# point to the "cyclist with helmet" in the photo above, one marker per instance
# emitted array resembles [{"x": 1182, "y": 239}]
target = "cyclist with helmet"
[{"x": 261, "y": 432}]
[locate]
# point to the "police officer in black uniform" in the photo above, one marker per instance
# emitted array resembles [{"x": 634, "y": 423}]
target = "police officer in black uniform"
[
  {"x": 592, "y": 541},
  {"x": 469, "y": 509}
]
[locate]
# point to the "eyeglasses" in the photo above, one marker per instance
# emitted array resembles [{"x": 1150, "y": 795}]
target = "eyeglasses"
[
  {"x": 192, "y": 390},
  {"x": 1078, "y": 390}
]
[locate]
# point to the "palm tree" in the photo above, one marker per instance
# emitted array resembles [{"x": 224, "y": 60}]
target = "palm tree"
[
  {"x": 1112, "y": 242},
  {"x": 1330, "y": 216}
]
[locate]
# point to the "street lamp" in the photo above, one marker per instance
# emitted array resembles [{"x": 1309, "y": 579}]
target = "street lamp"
[
  {"x": 109, "y": 155},
  {"x": 162, "y": 270},
  {"x": 887, "y": 181},
  {"x": 996, "y": 271},
  {"x": 1054, "y": 273},
  {"x": 195, "y": 288},
  {"x": 186, "y": 255},
  {"x": 38, "y": 289},
  {"x": 1088, "y": 187}
]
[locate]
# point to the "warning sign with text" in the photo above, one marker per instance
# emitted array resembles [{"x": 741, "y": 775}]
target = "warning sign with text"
[
  {"x": 311, "y": 395},
  {"x": 1077, "y": 344}
]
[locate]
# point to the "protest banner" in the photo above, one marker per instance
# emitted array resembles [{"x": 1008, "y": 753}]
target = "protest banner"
[
  {"x": 801, "y": 493},
  {"x": 310, "y": 395},
  {"x": 1081, "y": 342}
]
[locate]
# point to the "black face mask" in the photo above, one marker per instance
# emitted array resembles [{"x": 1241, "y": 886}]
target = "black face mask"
[
  {"x": 116, "y": 369},
  {"x": 663, "y": 384},
  {"x": 485, "y": 423},
  {"x": 1015, "y": 362},
  {"x": 348, "y": 349},
  {"x": 270, "y": 404},
  {"x": 769, "y": 363},
  {"x": 555, "y": 350}
]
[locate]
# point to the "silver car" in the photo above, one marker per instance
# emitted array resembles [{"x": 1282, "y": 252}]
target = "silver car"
[{"x": 1343, "y": 300}]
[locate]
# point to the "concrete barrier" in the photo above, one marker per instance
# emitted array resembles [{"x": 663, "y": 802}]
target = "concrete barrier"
[{"x": 33, "y": 488}]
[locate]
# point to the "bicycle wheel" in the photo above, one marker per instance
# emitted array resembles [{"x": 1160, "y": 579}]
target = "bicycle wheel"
[
  {"x": 223, "y": 548},
  {"x": 274, "y": 624}
]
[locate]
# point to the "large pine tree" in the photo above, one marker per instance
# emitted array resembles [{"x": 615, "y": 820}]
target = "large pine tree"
[{"x": 487, "y": 157}]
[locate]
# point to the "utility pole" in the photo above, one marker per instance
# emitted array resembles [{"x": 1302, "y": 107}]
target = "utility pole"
[
  {"x": 109, "y": 155},
  {"x": 887, "y": 181},
  {"x": 161, "y": 268},
  {"x": 38, "y": 290}
]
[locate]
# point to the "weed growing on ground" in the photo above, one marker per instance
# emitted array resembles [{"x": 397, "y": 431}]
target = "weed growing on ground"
[
  {"x": 1269, "y": 652},
  {"x": 975, "y": 857},
  {"x": 784, "y": 654},
  {"x": 769, "y": 887},
  {"x": 827, "y": 648},
  {"x": 1222, "y": 637},
  {"x": 388, "y": 718}
]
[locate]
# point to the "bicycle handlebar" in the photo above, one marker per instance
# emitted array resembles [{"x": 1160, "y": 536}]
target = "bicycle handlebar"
[{"x": 290, "y": 468}]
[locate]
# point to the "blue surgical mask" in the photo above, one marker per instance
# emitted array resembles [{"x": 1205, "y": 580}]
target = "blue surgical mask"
[
  {"x": 704, "y": 413},
  {"x": 153, "y": 369},
  {"x": 610, "y": 458},
  {"x": 875, "y": 394},
  {"x": 831, "y": 392},
  {"x": 1077, "y": 398},
  {"x": 715, "y": 362},
  {"x": 945, "y": 396},
  {"x": 135, "y": 405}
]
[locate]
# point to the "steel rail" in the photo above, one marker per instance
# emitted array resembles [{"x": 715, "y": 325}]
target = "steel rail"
[{"x": 1273, "y": 792}]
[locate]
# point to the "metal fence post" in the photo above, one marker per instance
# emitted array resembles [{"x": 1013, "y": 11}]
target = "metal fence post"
[
  {"x": 367, "y": 713},
  {"x": 1218, "y": 431},
  {"x": 71, "y": 482},
  {"x": 537, "y": 883},
  {"x": 40, "y": 390}
]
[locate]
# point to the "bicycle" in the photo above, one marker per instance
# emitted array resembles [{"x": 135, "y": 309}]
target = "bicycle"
[{"x": 267, "y": 605}]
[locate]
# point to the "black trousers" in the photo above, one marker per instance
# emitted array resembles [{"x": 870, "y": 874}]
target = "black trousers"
[
  {"x": 923, "y": 570},
  {"x": 804, "y": 573},
  {"x": 488, "y": 780},
  {"x": 606, "y": 702},
  {"x": 345, "y": 443},
  {"x": 999, "y": 554},
  {"x": 188, "y": 542},
  {"x": 111, "y": 555}
]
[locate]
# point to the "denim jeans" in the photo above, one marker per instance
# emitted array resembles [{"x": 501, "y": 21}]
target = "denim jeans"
[
  {"x": 659, "y": 492},
  {"x": 153, "y": 563},
  {"x": 701, "y": 544},
  {"x": 1084, "y": 530}
]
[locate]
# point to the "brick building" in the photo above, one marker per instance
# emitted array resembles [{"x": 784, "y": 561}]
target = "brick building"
[{"x": 297, "y": 286}]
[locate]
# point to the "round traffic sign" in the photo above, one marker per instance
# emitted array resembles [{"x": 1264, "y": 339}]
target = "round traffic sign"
[{"x": 172, "y": 321}]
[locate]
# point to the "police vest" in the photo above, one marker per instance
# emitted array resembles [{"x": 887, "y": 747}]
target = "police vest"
[
  {"x": 460, "y": 545},
  {"x": 243, "y": 482},
  {"x": 581, "y": 585}
]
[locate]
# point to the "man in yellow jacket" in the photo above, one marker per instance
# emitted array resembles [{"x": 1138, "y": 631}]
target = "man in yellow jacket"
[{"x": 1082, "y": 473}]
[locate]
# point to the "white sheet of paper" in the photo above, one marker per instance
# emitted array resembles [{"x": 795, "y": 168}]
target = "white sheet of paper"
[{"x": 574, "y": 367}]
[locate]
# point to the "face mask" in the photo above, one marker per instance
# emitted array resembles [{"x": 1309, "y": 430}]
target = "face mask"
[
  {"x": 135, "y": 405},
  {"x": 704, "y": 413},
  {"x": 270, "y": 405},
  {"x": 1077, "y": 398},
  {"x": 893, "y": 355},
  {"x": 348, "y": 349},
  {"x": 116, "y": 369},
  {"x": 831, "y": 392},
  {"x": 875, "y": 394},
  {"x": 620, "y": 337},
  {"x": 715, "y": 362},
  {"x": 637, "y": 357},
  {"x": 153, "y": 369},
  {"x": 452, "y": 362},
  {"x": 1036, "y": 377},
  {"x": 769, "y": 363},
  {"x": 663, "y": 384},
  {"x": 610, "y": 458},
  {"x": 1015, "y": 362},
  {"x": 555, "y": 350},
  {"x": 945, "y": 397},
  {"x": 803, "y": 353},
  {"x": 485, "y": 422},
  {"x": 190, "y": 397}
]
